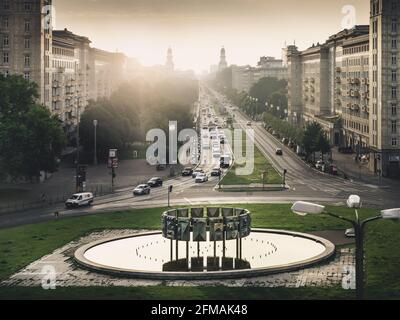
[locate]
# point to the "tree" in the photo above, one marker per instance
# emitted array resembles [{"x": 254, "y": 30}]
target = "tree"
[
  {"x": 31, "y": 139},
  {"x": 323, "y": 143},
  {"x": 315, "y": 139}
]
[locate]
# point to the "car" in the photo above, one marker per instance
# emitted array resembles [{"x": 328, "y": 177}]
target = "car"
[
  {"x": 201, "y": 177},
  {"x": 155, "y": 182},
  {"x": 350, "y": 233},
  {"x": 320, "y": 164},
  {"x": 79, "y": 199},
  {"x": 334, "y": 170},
  {"x": 196, "y": 172},
  {"x": 141, "y": 190},
  {"x": 279, "y": 152},
  {"x": 249, "y": 123},
  {"x": 216, "y": 172},
  {"x": 224, "y": 161},
  {"x": 187, "y": 172},
  {"x": 161, "y": 167},
  {"x": 285, "y": 141}
]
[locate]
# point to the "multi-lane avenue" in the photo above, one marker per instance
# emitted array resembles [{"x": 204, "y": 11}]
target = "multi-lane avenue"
[{"x": 304, "y": 183}]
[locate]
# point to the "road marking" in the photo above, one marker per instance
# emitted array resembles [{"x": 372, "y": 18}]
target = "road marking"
[{"x": 188, "y": 201}]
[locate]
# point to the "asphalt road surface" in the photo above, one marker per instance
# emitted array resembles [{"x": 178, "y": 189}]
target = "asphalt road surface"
[{"x": 304, "y": 183}]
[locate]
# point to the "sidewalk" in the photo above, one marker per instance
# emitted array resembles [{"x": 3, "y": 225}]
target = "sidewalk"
[
  {"x": 347, "y": 164},
  {"x": 62, "y": 183}
]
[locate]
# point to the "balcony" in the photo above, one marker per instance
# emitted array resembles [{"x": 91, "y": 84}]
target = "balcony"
[
  {"x": 365, "y": 109},
  {"x": 338, "y": 80},
  {"x": 365, "y": 95},
  {"x": 338, "y": 69}
]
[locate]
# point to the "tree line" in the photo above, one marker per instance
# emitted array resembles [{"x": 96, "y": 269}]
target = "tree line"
[
  {"x": 134, "y": 109},
  {"x": 262, "y": 102},
  {"x": 31, "y": 139}
]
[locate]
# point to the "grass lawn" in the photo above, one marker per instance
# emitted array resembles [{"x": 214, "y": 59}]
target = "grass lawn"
[
  {"x": 261, "y": 164},
  {"x": 23, "y": 245}
]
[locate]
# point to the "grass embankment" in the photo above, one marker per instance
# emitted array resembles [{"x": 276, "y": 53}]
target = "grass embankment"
[
  {"x": 261, "y": 164},
  {"x": 23, "y": 245}
]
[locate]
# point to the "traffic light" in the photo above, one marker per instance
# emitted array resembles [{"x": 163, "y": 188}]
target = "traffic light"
[{"x": 170, "y": 189}]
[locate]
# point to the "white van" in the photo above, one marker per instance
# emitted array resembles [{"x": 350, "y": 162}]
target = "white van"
[{"x": 79, "y": 200}]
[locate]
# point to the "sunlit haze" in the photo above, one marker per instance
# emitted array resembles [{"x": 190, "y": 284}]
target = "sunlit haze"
[{"x": 196, "y": 29}]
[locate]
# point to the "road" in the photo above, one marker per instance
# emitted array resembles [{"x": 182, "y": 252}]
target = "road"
[{"x": 304, "y": 182}]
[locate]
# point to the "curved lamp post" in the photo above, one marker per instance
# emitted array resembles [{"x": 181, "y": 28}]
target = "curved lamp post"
[{"x": 304, "y": 208}]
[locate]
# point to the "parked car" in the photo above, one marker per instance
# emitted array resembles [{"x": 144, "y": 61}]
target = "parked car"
[
  {"x": 201, "y": 177},
  {"x": 279, "y": 152},
  {"x": 320, "y": 164},
  {"x": 196, "y": 172},
  {"x": 141, "y": 190},
  {"x": 216, "y": 172},
  {"x": 187, "y": 172},
  {"x": 285, "y": 141},
  {"x": 79, "y": 200},
  {"x": 161, "y": 167},
  {"x": 334, "y": 170},
  {"x": 350, "y": 233},
  {"x": 249, "y": 123},
  {"x": 155, "y": 182}
]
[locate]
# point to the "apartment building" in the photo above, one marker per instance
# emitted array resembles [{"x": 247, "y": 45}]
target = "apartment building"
[
  {"x": 66, "y": 69},
  {"x": 244, "y": 77},
  {"x": 349, "y": 85},
  {"x": 25, "y": 46}
]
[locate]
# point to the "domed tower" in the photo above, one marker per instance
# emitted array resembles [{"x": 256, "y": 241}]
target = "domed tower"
[
  {"x": 222, "y": 61},
  {"x": 170, "y": 60}
]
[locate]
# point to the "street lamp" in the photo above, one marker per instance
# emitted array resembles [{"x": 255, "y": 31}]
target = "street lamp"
[
  {"x": 95, "y": 123},
  {"x": 304, "y": 208}
]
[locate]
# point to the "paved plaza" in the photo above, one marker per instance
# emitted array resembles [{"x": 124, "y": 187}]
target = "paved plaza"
[{"x": 70, "y": 275}]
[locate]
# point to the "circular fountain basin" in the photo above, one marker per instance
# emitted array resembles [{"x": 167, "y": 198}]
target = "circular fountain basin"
[{"x": 148, "y": 256}]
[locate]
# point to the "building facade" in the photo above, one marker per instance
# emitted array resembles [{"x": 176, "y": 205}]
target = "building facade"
[
  {"x": 349, "y": 84},
  {"x": 244, "y": 77},
  {"x": 66, "y": 69}
]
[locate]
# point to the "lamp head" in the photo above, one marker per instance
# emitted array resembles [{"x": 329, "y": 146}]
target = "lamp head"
[
  {"x": 354, "y": 201},
  {"x": 391, "y": 214},
  {"x": 304, "y": 208}
]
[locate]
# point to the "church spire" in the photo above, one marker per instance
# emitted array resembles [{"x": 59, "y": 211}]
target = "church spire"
[
  {"x": 222, "y": 61},
  {"x": 170, "y": 60}
]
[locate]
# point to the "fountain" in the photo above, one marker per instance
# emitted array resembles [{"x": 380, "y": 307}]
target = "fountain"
[{"x": 204, "y": 243}]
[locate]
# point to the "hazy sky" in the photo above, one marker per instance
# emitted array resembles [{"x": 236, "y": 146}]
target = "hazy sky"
[{"x": 196, "y": 29}]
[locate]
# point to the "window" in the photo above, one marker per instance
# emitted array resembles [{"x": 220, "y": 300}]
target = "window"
[
  {"x": 27, "y": 25},
  {"x": 394, "y": 92},
  {"x": 5, "y": 23},
  {"x": 394, "y": 59},
  {"x": 5, "y": 57},
  {"x": 27, "y": 43},
  {"x": 27, "y": 76},
  {"x": 394, "y": 24},
  {"x": 394, "y": 109},
  {"x": 27, "y": 6},
  {"x": 394, "y": 44},
  {"x": 394, "y": 75},
  {"x": 394, "y": 126},
  {"x": 6, "y": 41},
  {"x": 27, "y": 61},
  {"x": 6, "y": 5},
  {"x": 394, "y": 142}
]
